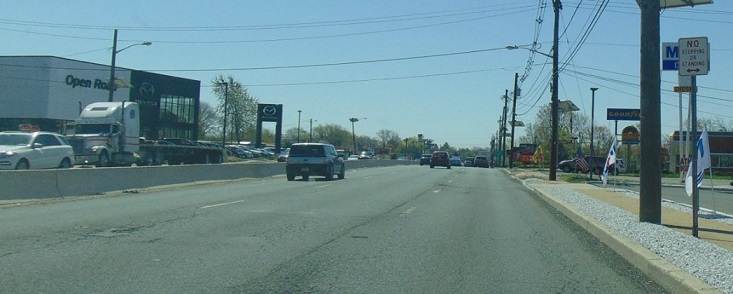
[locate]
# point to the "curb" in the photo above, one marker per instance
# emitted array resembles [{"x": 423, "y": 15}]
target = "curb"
[{"x": 660, "y": 270}]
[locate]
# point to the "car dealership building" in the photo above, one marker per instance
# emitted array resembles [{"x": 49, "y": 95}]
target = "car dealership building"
[{"x": 48, "y": 93}]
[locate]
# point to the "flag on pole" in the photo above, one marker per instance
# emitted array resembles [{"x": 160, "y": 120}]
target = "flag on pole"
[
  {"x": 703, "y": 162},
  {"x": 610, "y": 160},
  {"x": 580, "y": 162}
]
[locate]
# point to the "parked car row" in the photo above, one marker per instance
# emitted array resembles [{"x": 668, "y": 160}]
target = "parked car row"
[
  {"x": 247, "y": 152},
  {"x": 595, "y": 164}
]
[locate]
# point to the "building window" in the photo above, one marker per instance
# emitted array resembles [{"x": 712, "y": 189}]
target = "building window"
[{"x": 177, "y": 109}]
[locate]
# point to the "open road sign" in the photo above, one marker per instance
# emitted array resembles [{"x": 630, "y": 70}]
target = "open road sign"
[{"x": 694, "y": 56}]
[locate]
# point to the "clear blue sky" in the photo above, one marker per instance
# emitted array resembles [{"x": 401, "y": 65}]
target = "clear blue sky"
[{"x": 442, "y": 64}]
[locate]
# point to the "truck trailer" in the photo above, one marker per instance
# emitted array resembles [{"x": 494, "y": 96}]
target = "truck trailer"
[{"x": 108, "y": 134}]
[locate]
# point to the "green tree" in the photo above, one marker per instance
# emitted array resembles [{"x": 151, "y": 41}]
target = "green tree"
[
  {"x": 240, "y": 106},
  {"x": 333, "y": 134}
]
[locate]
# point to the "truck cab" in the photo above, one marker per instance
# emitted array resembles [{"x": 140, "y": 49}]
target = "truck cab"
[{"x": 107, "y": 133}]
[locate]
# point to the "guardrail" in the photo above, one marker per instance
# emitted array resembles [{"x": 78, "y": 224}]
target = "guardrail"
[{"x": 39, "y": 184}]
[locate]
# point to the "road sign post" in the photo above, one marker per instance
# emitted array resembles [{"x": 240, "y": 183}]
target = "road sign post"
[
  {"x": 694, "y": 61},
  {"x": 694, "y": 56}
]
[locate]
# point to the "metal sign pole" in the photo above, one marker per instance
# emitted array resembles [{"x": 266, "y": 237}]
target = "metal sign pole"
[{"x": 695, "y": 192}]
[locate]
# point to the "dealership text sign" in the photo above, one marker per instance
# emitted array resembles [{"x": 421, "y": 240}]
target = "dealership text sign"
[
  {"x": 84, "y": 83},
  {"x": 623, "y": 114}
]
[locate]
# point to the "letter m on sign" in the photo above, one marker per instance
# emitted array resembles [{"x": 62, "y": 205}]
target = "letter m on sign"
[{"x": 670, "y": 56}]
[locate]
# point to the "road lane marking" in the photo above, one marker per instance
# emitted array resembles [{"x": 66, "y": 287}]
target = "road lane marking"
[
  {"x": 450, "y": 181},
  {"x": 322, "y": 186},
  {"x": 436, "y": 191},
  {"x": 221, "y": 204}
]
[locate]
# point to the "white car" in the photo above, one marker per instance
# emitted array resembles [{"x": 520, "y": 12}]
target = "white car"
[
  {"x": 620, "y": 165},
  {"x": 37, "y": 150}
]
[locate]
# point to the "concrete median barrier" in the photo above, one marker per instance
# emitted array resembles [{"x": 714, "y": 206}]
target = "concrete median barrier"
[{"x": 40, "y": 184}]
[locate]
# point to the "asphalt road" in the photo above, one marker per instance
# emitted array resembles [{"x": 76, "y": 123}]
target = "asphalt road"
[{"x": 404, "y": 229}]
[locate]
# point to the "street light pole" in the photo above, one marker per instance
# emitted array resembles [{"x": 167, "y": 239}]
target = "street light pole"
[
  {"x": 310, "y": 137},
  {"x": 592, "y": 117},
  {"x": 299, "y": 126},
  {"x": 111, "y": 85},
  {"x": 226, "y": 98},
  {"x": 353, "y": 133},
  {"x": 514, "y": 116}
]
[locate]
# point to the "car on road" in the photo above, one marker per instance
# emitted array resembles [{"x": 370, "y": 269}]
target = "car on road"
[
  {"x": 481, "y": 161},
  {"x": 307, "y": 159},
  {"x": 353, "y": 157},
  {"x": 440, "y": 158},
  {"x": 455, "y": 160},
  {"x": 425, "y": 159},
  {"x": 38, "y": 150},
  {"x": 283, "y": 156},
  {"x": 468, "y": 162}
]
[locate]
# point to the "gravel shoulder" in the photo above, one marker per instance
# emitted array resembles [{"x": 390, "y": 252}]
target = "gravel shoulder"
[{"x": 708, "y": 258}]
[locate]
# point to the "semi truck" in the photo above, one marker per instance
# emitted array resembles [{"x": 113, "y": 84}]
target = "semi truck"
[{"x": 108, "y": 134}]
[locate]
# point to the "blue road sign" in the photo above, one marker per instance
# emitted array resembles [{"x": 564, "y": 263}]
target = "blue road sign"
[{"x": 670, "y": 56}]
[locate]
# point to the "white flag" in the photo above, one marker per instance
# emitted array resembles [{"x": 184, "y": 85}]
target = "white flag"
[
  {"x": 611, "y": 159},
  {"x": 703, "y": 162}
]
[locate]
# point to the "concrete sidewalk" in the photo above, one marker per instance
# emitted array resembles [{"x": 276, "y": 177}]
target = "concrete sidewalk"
[{"x": 662, "y": 271}]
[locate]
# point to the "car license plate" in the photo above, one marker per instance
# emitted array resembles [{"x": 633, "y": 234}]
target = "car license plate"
[{"x": 304, "y": 169}]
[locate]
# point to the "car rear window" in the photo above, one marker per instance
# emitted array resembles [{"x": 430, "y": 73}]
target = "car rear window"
[
  {"x": 480, "y": 158},
  {"x": 306, "y": 150}
]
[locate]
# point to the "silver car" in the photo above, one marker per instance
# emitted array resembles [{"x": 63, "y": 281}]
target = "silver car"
[
  {"x": 36, "y": 150},
  {"x": 306, "y": 159}
]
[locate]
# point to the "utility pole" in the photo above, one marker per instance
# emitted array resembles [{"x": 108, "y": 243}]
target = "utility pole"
[
  {"x": 650, "y": 187},
  {"x": 224, "y": 128},
  {"x": 299, "y": 111},
  {"x": 503, "y": 128},
  {"x": 554, "y": 108},
  {"x": 514, "y": 116},
  {"x": 592, "y": 147},
  {"x": 111, "y": 85}
]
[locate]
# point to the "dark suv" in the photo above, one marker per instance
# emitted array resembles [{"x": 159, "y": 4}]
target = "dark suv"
[
  {"x": 481, "y": 161},
  {"x": 306, "y": 159},
  {"x": 570, "y": 165},
  {"x": 440, "y": 158}
]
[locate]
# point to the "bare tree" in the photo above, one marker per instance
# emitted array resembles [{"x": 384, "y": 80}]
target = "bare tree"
[
  {"x": 208, "y": 121},
  {"x": 388, "y": 137}
]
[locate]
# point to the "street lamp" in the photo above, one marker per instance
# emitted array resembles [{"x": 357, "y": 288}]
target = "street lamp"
[
  {"x": 114, "y": 57},
  {"x": 353, "y": 133},
  {"x": 226, "y": 98},
  {"x": 592, "y": 148},
  {"x": 310, "y": 137},
  {"x": 299, "y": 111}
]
